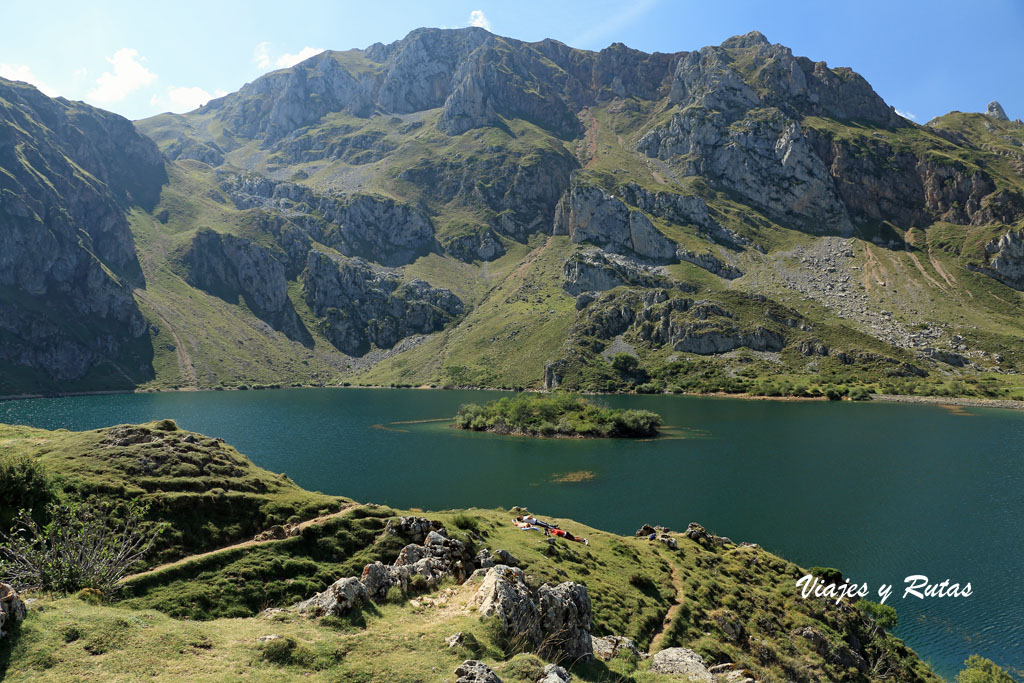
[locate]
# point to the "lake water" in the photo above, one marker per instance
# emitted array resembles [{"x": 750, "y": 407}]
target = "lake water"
[{"x": 881, "y": 491}]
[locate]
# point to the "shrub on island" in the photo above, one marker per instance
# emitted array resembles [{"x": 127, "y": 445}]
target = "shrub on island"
[{"x": 557, "y": 414}]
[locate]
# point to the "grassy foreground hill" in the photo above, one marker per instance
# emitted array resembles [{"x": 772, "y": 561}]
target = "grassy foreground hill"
[{"x": 206, "y": 617}]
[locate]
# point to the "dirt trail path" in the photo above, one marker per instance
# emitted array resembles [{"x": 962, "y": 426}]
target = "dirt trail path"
[
  {"x": 244, "y": 544},
  {"x": 659, "y": 637}
]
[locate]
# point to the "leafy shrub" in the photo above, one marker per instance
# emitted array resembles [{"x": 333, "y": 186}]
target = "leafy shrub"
[
  {"x": 625, "y": 363},
  {"x": 23, "y": 485},
  {"x": 81, "y": 547},
  {"x": 981, "y": 670},
  {"x": 828, "y": 575},
  {"x": 884, "y": 616}
]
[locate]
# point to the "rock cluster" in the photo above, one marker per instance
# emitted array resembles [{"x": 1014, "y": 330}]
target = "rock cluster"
[
  {"x": 556, "y": 620},
  {"x": 680, "y": 661},
  {"x": 437, "y": 558},
  {"x": 12, "y": 609}
]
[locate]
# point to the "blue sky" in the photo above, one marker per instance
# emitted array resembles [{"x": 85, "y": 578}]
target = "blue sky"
[{"x": 139, "y": 59}]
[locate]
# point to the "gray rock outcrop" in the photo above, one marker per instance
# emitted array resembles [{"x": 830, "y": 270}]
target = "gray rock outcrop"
[
  {"x": 1005, "y": 259},
  {"x": 363, "y": 305},
  {"x": 589, "y": 214},
  {"x": 504, "y": 594},
  {"x": 473, "y": 671},
  {"x": 607, "y": 647},
  {"x": 421, "y": 565},
  {"x": 555, "y": 674},
  {"x": 700, "y": 327},
  {"x": 565, "y": 622},
  {"x": 12, "y": 608},
  {"x": 995, "y": 111},
  {"x": 710, "y": 263},
  {"x": 592, "y": 269},
  {"x": 680, "y": 661},
  {"x": 483, "y": 245},
  {"x": 556, "y": 621},
  {"x": 377, "y": 228},
  {"x": 341, "y": 597}
]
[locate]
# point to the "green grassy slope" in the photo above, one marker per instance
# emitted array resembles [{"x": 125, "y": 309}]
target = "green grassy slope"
[{"x": 211, "y": 494}]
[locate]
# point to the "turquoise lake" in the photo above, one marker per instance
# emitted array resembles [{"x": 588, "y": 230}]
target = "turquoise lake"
[{"x": 880, "y": 491}]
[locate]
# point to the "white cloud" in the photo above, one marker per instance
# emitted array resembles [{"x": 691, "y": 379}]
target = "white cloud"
[
  {"x": 286, "y": 60},
  {"x": 907, "y": 115},
  {"x": 128, "y": 75},
  {"x": 180, "y": 99},
  {"x": 261, "y": 55},
  {"x": 80, "y": 73},
  {"x": 22, "y": 72},
  {"x": 478, "y": 18}
]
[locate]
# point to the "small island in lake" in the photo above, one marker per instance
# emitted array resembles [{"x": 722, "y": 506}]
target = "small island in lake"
[{"x": 556, "y": 415}]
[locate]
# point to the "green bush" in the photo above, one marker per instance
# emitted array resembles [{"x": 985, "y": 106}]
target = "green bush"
[
  {"x": 558, "y": 414},
  {"x": 884, "y": 616},
  {"x": 24, "y": 485},
  {"x": 980, "y": 670}
]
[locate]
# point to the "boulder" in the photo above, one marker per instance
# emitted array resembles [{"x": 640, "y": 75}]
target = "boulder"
[
  {"x": 12, "y": 608},
  {"x": 607, "y": 647},
  {"x": 680, "y": 661},
  {"x": 554, "y": 674},
  {"x": 473, "y": 671},
  {"x": 504, "y": 594},
  {"x": 341, "y": 597},
  {"x": 645, "y": 530},
  {"x": 565, "y": 622}
]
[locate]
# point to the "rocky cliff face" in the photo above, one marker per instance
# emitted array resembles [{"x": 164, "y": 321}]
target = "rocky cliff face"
[
  {"x": 1005, "y": 259},
  {"x": 372, "y": 227},
  {"x": 589, "y": 214},
  {"x": 231, "y": 267},
  {"x": 67, "y": 257},
  {"x": 363, "y": 306},
  {"x": 657, "y": 318}
]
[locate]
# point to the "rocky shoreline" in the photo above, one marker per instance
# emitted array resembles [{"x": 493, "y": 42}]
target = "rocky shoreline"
[
  {"x": 884, "y": 398},
  {"x": 950, "y": 401}
]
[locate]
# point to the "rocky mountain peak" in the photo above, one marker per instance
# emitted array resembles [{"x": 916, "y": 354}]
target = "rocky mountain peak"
[
  {"x": 995, "y": 111},
  {"x": 747, "y": 40}
]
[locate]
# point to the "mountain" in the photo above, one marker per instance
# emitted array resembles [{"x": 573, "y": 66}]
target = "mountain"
[{"x": 459, "y": 208}]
